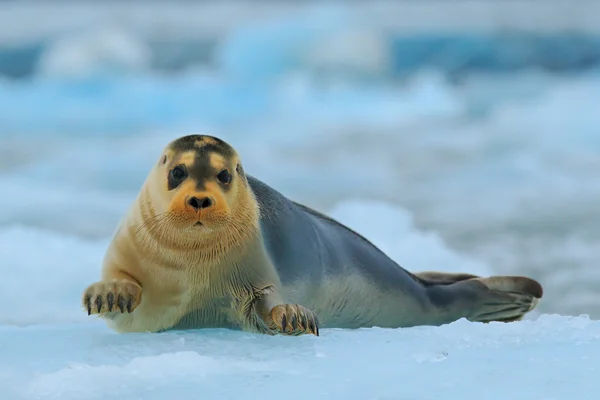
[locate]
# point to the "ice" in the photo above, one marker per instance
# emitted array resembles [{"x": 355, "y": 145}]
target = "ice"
[
  {"x": 550, "y": 358},
  {"x": 109, "y": 50},
  {"x": 256, "y": 41},
  {"x": 332, "y": 40},
  {"x": 43, "y": 284},
  {"x": 362, "y": 52}
]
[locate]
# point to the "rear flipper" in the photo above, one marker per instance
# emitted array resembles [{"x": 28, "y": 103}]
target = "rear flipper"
[
  {"x": 497, "y": 298},
  {"x": 506, "y": 298}
]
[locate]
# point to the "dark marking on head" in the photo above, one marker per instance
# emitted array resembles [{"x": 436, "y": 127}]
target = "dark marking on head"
[
  {"x": 164, "y": 159},
  {"x": 203, "y": 143},
  {"x": 202, "y": 170}
]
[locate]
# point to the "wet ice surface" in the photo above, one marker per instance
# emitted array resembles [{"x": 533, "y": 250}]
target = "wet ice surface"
[{"x": 551, "y": 358}]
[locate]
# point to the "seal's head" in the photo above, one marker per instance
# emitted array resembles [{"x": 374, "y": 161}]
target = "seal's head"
[{"x": 198, "y": 186}]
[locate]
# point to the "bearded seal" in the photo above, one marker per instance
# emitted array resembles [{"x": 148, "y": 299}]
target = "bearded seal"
[{"x": 205, "y": 245}]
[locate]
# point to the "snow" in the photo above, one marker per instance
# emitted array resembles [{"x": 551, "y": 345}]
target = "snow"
[
  {"x": 109, "y": 49},
  {"x": 45, "y": 285},
  {"x": 551, "y": 358}
]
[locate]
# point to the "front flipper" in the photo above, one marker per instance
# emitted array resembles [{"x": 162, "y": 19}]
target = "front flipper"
[
  {"x": 113, "y": 296},
  {"x": 261, "y": 306},
  {"x": 265, "y": 311},
  {"x": 293, "y": 319}
]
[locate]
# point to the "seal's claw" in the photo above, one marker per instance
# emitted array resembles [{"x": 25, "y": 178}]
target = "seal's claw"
[
  {"x": 99, "y": 298},
  {"x": 99, "y": 302},
  {"x": 110, "y": 301},
  {"x": 304, "y": 320},
  {"x": 87, "y": 302},
  {"x": 294, "y": 322},
  {"x": 301, "y": 320},
  {"x": 121, "y": 302}
]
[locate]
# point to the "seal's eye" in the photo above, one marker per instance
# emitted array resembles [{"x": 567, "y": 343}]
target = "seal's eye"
[
  {"x": 176, "y": 176},
  {"x": 224, "y": 177},
  {"x": 178, "y": 173}
]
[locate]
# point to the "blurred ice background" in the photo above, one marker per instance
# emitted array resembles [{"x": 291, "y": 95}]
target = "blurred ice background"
[
  {"x": 457, "y": 135},
  {"x": 476, "y": 122}
]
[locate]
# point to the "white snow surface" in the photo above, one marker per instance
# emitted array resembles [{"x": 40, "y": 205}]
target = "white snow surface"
[{"x": 551, "y": 358}]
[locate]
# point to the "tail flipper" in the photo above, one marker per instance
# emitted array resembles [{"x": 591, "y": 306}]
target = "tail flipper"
[
  {"x": 497, "y": 298},
  {"x": 505, "y": 298}
]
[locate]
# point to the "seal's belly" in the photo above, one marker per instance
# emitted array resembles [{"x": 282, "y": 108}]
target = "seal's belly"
[
  {"x": 208, "y": 313},
  {"x": 353, "y": 301}
]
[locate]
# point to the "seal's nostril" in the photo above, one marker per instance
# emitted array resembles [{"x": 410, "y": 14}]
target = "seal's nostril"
[
  {"x": 205, "y": 203},
  {"x": 198, "y": 204}
]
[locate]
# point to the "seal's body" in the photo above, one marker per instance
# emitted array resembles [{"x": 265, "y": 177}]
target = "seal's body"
[{"x": 205, "y": 245}]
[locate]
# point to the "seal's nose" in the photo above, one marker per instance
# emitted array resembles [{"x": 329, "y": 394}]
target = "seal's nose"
[{"x": 200, "y": 203}]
